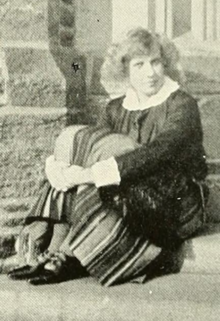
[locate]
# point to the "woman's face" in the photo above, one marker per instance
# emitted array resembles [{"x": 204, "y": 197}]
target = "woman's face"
[{"x": 146, "y": 73}]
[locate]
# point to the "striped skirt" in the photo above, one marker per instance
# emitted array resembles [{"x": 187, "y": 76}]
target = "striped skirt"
[{"x": 100, "y": 237}]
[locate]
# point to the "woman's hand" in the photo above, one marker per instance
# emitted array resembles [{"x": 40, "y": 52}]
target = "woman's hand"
[
  {"x": 63, "y": 176},
  {"x": 54, "y": 173},
  {"x": 77, "y": 175}
]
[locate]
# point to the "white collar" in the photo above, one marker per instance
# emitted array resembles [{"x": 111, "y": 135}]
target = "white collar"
[{"x": 131, "y": 101}]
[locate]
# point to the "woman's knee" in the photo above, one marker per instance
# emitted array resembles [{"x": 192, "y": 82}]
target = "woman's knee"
[
  {"x": 111, "y": 145},
  {"x": 63, "y": 150}
]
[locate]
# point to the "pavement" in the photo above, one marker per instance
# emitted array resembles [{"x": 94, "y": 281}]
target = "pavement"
[
  {"x": 184, "y": 296},
  {"x": 193, "y": 294}
]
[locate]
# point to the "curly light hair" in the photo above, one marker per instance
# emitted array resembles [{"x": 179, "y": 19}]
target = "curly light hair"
[{"x": 138, "y": 41}]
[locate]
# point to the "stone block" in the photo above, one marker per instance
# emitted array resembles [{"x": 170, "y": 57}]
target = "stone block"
[
  {"x": 53, "y": 23},
  {"x": 66, "y": 38},
  {"x": 25, "y": 23},
  {"x": 34, "y": 78},
  {"x": 66, "y": 17},
  {"x": 27, "y": 138}
]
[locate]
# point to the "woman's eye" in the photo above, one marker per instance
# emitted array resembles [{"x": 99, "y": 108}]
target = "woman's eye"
[
  {"x": 139, "y": 64},
  {"x": 156, "y": 61}
]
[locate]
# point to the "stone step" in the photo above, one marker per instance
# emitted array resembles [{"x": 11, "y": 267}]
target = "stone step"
[{"x": 34, "y": 78}]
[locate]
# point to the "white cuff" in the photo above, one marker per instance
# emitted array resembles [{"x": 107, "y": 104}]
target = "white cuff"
[{"x": 106, "y": 173}]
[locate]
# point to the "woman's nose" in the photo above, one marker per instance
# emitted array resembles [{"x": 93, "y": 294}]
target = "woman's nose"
[{"x": 148, "y": 69}]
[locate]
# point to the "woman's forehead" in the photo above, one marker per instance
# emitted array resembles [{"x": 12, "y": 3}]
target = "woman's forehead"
[{"x": 152, "y": 53}]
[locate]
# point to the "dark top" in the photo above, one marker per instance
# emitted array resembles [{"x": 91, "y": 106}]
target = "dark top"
[{"x": 170, "y": 134}]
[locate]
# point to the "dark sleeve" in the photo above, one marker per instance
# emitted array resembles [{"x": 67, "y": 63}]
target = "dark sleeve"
[
  {"x": 106, "y": 118},
  {"x": 181, "y": 127}
]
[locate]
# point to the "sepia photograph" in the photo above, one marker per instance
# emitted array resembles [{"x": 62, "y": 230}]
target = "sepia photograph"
[{"x": 110, "y": 160}]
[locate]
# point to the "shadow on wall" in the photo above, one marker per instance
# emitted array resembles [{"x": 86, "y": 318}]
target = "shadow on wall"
[{"x": 79, "y": 33}]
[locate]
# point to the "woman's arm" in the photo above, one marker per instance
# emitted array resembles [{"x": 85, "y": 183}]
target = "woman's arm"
[
  {"x": 182, "y": 128},
  {"x": 106, "y": 118},
  {"x": 64, "y": 176}
]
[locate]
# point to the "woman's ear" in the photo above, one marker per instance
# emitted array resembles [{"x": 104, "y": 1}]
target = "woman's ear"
[
  {"x": 125, "y": 62},
  {"x": 165, "y": 63}
]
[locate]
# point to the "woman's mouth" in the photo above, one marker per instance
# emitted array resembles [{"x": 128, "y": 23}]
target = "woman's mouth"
[{"x": 150, "y": 83}]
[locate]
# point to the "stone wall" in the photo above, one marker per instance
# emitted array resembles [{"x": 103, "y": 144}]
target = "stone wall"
[
  {"x": 24, "y": 20},
  {"x": 26, "y": 139},
  {"x": 34, "y": 78}
]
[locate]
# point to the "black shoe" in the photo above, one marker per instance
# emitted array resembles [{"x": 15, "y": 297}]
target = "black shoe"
[
  {"x": 64, "y": 269},
  {"x": 49, "y": 277},
  {"x": 20, "y": 269},
  {"x": 25, "y": 272},
  {"x": 28, "y": 271}
]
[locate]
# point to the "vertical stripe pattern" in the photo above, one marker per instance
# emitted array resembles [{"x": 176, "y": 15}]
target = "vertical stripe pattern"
[{"x": 99, "y": 237}]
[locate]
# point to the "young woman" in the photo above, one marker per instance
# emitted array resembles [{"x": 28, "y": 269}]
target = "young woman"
[{"x": 122, "y": 196}]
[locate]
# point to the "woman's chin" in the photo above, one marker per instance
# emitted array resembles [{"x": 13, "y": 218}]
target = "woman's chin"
[{"x": 150, "y": 92}]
